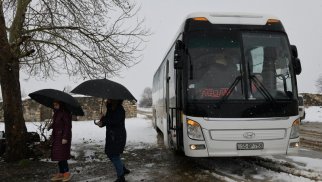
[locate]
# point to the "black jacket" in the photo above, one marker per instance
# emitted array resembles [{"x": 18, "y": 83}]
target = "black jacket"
[{"x": 115, "y": 130}]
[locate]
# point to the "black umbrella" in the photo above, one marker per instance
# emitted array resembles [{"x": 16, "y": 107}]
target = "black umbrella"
[
  {"x": 104, "y": 88},
  {"x": 47, "y": 96}
]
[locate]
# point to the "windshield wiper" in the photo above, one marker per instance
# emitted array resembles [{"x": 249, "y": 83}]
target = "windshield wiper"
[
  {"x": 229, "y": 91},
  {"x": 262, "y": 89}
]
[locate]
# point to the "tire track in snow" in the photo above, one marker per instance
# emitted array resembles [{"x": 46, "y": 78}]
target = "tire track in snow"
[
  {"x": 311, "y": 139},
  {"x": 246, "y": 168},
  {"x": 286, "y": 167},
  {"x": 221, "y": 168}
]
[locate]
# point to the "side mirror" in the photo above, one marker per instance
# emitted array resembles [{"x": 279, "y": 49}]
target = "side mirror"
[
  {"x": 178, "y": 54},
  {"x": 294, "y": 51},
  {"x": 296, "y": 61},
  {"x": 297, "y": 66}
]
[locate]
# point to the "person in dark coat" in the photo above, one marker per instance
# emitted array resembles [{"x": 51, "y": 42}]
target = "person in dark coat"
[
  {"x": 114, "y": 120},
  {"x": 61, "y": 140}
]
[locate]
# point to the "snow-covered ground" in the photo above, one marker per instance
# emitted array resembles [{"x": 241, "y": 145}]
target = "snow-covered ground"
[
  {"x": 139, "y": 130},
  {"x": 149, "y": 109},
  {"x": 309, "y": 163},
  {"x": 313, "y": 114}
]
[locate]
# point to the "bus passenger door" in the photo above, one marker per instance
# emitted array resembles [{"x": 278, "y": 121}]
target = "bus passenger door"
[{"x": 171, "y": 115}]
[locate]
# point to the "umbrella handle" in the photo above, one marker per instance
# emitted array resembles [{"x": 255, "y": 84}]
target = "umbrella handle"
[
  {"x": 102, "y": 102},
  {"x": 99, "y": 124}
]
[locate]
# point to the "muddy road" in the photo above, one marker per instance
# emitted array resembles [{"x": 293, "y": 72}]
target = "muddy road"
[{"x": 311, "y": 135}]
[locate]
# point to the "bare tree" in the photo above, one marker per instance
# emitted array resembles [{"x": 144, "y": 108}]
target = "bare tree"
[
  {"x": 146, "y": 99},
  {"x": 318, "y": 84},
  {"x": 67, "y": 88},
  {"x": 87, "y": 38}
]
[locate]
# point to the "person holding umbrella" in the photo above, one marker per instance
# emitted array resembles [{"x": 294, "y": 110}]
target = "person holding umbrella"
[
  {"x": 61, "y": 140},
  {"x": 64, "y": 106},
  {"x": 114, "y": 120}
]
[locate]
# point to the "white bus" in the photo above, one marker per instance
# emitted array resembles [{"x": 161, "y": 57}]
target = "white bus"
[{"x": 227, "y": 87}]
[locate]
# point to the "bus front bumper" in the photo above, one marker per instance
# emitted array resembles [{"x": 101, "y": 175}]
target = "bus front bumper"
[{"x": 225, "y": 148}]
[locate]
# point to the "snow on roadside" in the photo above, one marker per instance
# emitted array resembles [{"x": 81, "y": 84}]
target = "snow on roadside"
[
  {"x": 87, "y": 132},
  {"x": 308, "y": 168},
  {"x": 313, "y": 114},
  {"x": 139, "y": 130},
  {"x": 148, "y": 109},
  {"x": 281, "y": 176},
  {"x": 310, "y": 163},
  {"x": 140, "y": 134}
]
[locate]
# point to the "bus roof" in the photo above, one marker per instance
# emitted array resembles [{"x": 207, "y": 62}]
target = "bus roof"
[{"x": 233, "y": 18}]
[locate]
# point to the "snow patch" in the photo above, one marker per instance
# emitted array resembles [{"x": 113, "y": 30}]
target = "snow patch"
[
  {"x": 148, "y": 109},
  {"x": 313, "y": 114},
  {"x": 310, "y": 163},
  {"x": 273, "y": 176}
]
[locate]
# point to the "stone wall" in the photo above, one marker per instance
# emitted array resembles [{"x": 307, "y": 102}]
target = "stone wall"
[
  {"x": 91, "y": 106},
  {"x": 312, "y": 99}
]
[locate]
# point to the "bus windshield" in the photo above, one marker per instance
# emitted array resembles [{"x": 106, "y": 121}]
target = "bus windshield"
[
  {"x": 268, "y": 60},
  {"x": 215, "y": 66}
]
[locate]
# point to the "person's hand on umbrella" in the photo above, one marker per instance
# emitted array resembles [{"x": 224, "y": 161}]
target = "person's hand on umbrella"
[
  {"x": 64, "y": 141},
  {"x": 99, "y": 123}
]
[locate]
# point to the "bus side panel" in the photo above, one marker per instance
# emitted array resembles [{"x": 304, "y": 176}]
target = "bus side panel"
[{"x": 158, "y": 98}]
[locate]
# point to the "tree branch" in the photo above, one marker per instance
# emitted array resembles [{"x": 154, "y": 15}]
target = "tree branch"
[
  {"x": 27, "y": 53},
  {"x": 87, "y": 38},
  {"x": 52, "y": 28}
]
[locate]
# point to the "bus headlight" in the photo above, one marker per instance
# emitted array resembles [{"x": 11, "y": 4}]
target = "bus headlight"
[
  {"x": 194, "y": 130},
  {"x": 295, "y": 132}
]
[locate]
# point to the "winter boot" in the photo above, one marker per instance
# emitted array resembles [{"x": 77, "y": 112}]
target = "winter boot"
[
  {"x": 67, "y": 176},
  {"x": 57, "y": 177},
  {"x": 126, "y": 171},
  {"x": 120, "y": 179}
]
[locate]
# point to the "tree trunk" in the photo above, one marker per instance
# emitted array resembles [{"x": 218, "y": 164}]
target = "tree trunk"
[{"x": 15, "y": 127}]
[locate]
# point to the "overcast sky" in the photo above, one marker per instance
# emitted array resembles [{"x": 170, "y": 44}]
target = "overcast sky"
[{"x": 301, "y": 19}]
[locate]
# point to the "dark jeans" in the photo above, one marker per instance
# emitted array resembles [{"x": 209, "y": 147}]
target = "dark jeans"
[
  {"x": 116, "y": 160},
  {"x": 63, "y": 166}
]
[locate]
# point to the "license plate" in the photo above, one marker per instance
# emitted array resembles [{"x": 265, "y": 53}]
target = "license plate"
[{"x": 250, "y": 146}]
